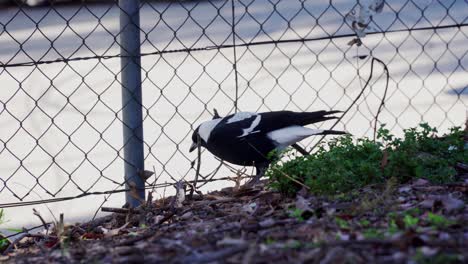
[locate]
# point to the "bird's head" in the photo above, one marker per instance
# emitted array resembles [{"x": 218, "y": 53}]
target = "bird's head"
[
  {"x": 195, "y": 137},
  {"x": 203, "y": 132}
]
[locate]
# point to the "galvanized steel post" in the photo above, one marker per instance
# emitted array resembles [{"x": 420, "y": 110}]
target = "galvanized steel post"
[{"x": 132, "y": 100}]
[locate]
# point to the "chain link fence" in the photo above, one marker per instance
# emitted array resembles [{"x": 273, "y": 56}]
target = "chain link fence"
[{"x": 61, "y": 85}]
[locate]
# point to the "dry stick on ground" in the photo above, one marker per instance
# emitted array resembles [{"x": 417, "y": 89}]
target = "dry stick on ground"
[
  {"x": 18, "y": 239},
  {"x": 26, "y": 230},
  {"x": 150, "y": 231},
  {"x": 121, "y": 210},
  {"x": 153, "y": 185},
  {"x": 44, "y": 224}
]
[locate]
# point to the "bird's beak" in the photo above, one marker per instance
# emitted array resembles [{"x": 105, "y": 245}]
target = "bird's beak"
[{"x": 193, "y": 147}]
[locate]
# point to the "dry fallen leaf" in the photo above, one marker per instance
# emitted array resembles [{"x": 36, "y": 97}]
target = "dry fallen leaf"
[
  {"x": 231, "y": 241},
  {"x": 404, "y": 189},
  {"x": 448, "y": 202},
  {"x": 179, "y": 198},
  {"x": 420, "y": 182},
  {"x": 249, "y": 208},
  {"x": 302, "y": 204},
  {"x": 114, "y": 232}
]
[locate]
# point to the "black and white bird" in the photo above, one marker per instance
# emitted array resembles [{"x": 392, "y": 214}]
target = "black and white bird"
[{"x": 246, "y": 138}]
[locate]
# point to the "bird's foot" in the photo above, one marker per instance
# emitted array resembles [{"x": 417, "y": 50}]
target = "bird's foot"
[{"x": 253, "y": 182}]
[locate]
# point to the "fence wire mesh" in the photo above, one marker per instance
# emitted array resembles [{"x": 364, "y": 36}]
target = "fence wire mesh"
[{"x": 60, "y": 77}]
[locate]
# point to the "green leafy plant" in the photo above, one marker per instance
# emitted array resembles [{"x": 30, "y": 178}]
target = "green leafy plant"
[
  {"x": 441, "y": 258},
  {"x": 410, "y": 221},
  {"x": 296, "y": 213},
  {"x": 439, "y": 221},
  {"x": 392, "y": 227},
  {"x": 372, "y": 233},
  {"x": 3, "y": 241},
  {"x": 343, "y": 164},
  {"x": 364, "y": 223},
  {"x": 341, "y": 223}
]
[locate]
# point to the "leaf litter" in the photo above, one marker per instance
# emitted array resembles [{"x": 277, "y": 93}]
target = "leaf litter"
[{"x": 415, "y": 222}]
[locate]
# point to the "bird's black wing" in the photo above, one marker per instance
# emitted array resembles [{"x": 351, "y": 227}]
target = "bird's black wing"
[
  {"x": 271, "y": 121},
  {"x": 244, "y": 124},
  {"x": 236, "y": 125}
]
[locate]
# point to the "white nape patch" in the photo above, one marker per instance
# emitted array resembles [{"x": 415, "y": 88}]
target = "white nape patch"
[
  {"x": 206, "y": 127},
  {"x": 287, "y": 136},
  {"x": 240, "y": 116},
  {"x": 250, "y": 130}
]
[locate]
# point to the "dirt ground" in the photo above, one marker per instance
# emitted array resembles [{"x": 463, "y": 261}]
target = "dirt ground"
[{"x": 412, "y": 223}]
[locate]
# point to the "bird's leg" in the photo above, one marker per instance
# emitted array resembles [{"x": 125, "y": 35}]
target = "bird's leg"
[{"x": 260, "y": 171}]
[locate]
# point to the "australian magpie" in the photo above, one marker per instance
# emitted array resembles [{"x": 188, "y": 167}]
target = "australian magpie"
[{"x": 246, "y": 138}]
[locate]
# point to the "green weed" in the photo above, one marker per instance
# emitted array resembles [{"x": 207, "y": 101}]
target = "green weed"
[
  {"x": 343, "y": 164},
  {"x": 441, "y": 258},
  {"x": 4, "y": 243},
  {"x": 439, "y": 221},
  {"x": 373, "y": 233},
  {"x": 296, "y": 213},
  {"x": 410, "y": 221}
]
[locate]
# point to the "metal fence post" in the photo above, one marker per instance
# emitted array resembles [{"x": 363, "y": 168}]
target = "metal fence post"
[{"x": 131, "y": 99}]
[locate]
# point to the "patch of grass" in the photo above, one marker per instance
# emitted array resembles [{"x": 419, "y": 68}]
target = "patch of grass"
[
  {"x": 372, "y": 233},
  {"x": 439, "y": 221},
  {"x": 3, "y": 241},
  {"x": 343, "y": 164},
  {"x": 410, "y": 221},
  {"x": 342, "y": 223},
  {"x": 364, "y": 223},
  {"x": 441, "y": 258},
  {"x": 269, "y": 241},
  {"x": 294, "y": 244},
  {"x": 296, "y": 213},
  {"x": 392, "y": 227}
]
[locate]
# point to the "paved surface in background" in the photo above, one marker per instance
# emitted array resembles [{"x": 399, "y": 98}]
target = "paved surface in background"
[{"x": 178, "y": 88}]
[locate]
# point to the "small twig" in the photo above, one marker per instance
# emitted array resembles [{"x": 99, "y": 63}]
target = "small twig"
[
  {"x": 347, "y": 243},
  {"x": 153, "y": 185},
  {"x": 26, "y": 230},
  {"x": 209, "y": 203},
  {"x": 18, "y": 239},
  {"x": 120, "y": 210},
  {"x": 292, "y": 179},
  {"x": 150, "y": 231},
  {"x": 195, "y": 181},
  {"x": 96, "y": 222},
  {"x": 44, "y": 223},
  {"x": 382, "y": 102}
]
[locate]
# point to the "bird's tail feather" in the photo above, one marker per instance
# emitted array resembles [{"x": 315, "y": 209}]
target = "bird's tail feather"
[
  {"x": 319, "y": 116},
  {"x": 333, "y": 132}
]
